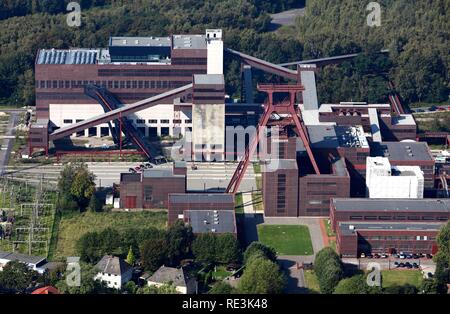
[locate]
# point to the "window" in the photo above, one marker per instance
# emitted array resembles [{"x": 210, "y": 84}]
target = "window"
[
  {"x": 68, "y": 121},
  {"x": 356, "y": 217},
  {"x": 177, "y": 121},
  {"x": 188, "y": 121},
  {"x": 281, "y": 193},
  {"x": 384, "y": 218},
  {"x": 140, "y": 121},
  {"x": 148, "y": 193},
  {"x": 164, "y": 121},
  {"x": 370, "y": 217},
  {"x": 153, "y": 121}
]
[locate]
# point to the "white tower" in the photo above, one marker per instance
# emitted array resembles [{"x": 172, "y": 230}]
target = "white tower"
[{"x": 215, "y": 51}]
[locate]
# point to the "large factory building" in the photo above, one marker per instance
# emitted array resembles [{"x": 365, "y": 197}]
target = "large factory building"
[{"x": 132, "y": 69}]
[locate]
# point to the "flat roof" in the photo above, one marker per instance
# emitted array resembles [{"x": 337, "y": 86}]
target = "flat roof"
[
  {"x": 130, "y": 177},
  {"x": 140, "y": 41},
  {"x": 391, "y": 205},
  {"x": 204, "y": 198},
  {"x": 67, "y": 56},
  {"x": 209, "y": 221},
  {"x": 276, "y": 164},
  {"x": 402, "y": 151},
  {"x": 403, "y": 119},
  {"x": 348, "y": 228},
  {"x": 160, "y": 173},
  {"x": 189, "y": 42},
  {"x": 206, "y": 79},
  {"x": 333, "y": 136}
]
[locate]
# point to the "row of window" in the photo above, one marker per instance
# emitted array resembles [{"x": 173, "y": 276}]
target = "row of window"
[
  {"x": 400, "y": 238},
  {"x": 426, "y": 218},
  {"x": 281, "y": 193},
  {"x": 152, "y": 72},
  {"x": 141, "y": 121},
  {"x": 112, "y": 84}
]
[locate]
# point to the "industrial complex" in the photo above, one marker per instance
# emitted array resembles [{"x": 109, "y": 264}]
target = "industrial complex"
[{"x": 359, "y": 164}]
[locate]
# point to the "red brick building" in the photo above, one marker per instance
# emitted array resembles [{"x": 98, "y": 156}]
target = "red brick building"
[
  {"x": 387, "y": 225},
  {"x": 151, "y": 188}
]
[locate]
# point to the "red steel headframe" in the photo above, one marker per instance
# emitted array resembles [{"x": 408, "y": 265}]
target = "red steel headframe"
[{"x": 269, "y": 109}]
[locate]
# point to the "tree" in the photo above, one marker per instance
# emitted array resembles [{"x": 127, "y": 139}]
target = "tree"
[
  {"x": 228, "y": 250},
  {"x": 16, "y": 276},
  {"x": 88, "y": 284},
  {"x": 442, "y": 259},
  {"x": 94, "y": 204},
  {"x": 428, "y": 286},
  {"x": 353, "y": 285},
  {"x": 131, "y": 259},
  {"x": 178, "y": 242},
  {"x": 153, "y": 254},
  {"x": 262, "y": 276},
  {"x": 329, "y": 270},
  {"x": 259, "y": 248},
  {"x": 167, "y": 288},
  {"x": 204, "y": 248},
  {"x": 221, "y": 288},
  {"x": 405, "y": 289},
  {"x": 83, "y": 185}
]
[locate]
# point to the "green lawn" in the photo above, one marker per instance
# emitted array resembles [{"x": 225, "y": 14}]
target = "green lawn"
[
  {"x": 311, "y": 281},
  {"x": 239, "y": 207},
  {"x": 286, "y": 239},
  {"x": 391, "y": 278},
  {"x": 73, "y": 226}
]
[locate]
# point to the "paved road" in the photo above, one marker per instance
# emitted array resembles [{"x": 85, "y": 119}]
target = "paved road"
[
  {"x": 211, "y": 177},
  {"x": 8, "y": 142},
  {"x": 296, "y": 278}
]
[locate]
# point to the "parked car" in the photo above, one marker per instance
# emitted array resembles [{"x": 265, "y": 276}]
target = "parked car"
[
  {"x": 429, "y": 256},
  {"x": 430, "y": 275},
  {"x": 376, "y": 255},
  {"x": 408, "y": 265},
  {"x": 415, "y": 265},
  {"x": 148, "y": 166},
  {"x": 432, "y": 108},
  {"x": 132, "y": 170},
  {"x": 409, "y": 256},
  {"x": 441, "y": 109},
  {"x": 363, "y": 255},
  {"x": 384, "y": 255},
  {"x": 194, "y": 167},
  {"x": 420, "y": 110},
  {"x": 369, "y": 255},
  {"x": 402, "y": 256},
  {"x": 138, "y": 169},
  {"x": 401, "y": 265},
  {"x": 416, "y": 256},
  {"x": 396, "y": 264}
]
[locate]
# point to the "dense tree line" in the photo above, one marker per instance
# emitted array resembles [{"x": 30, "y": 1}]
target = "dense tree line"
[
  {"x": 415, "y": 32},
  {"x": 245, "y": 24}
]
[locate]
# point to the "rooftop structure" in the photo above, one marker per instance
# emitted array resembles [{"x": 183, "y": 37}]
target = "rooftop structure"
[
  {"x": 384, "y": 181},
  {"x": 72, "y": 56},
  {"x": 352, "y": 227}
]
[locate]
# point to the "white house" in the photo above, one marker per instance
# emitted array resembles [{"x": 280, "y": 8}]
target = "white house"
[
  {"x": 175, "y": 276},
  {"x": 114, "y": 271}
]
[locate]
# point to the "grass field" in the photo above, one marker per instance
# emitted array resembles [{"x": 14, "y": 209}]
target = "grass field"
[
  {"x": 73, "y": 226},
  {"x": 311, "y": 281},
  {"x": 391, "y": 278},
  {"x": 287, "y": 240},
  {"x": 239, "y": 207}
]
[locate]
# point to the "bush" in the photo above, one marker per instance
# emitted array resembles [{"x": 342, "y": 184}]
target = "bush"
[{"x": 329, "y": 270}]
